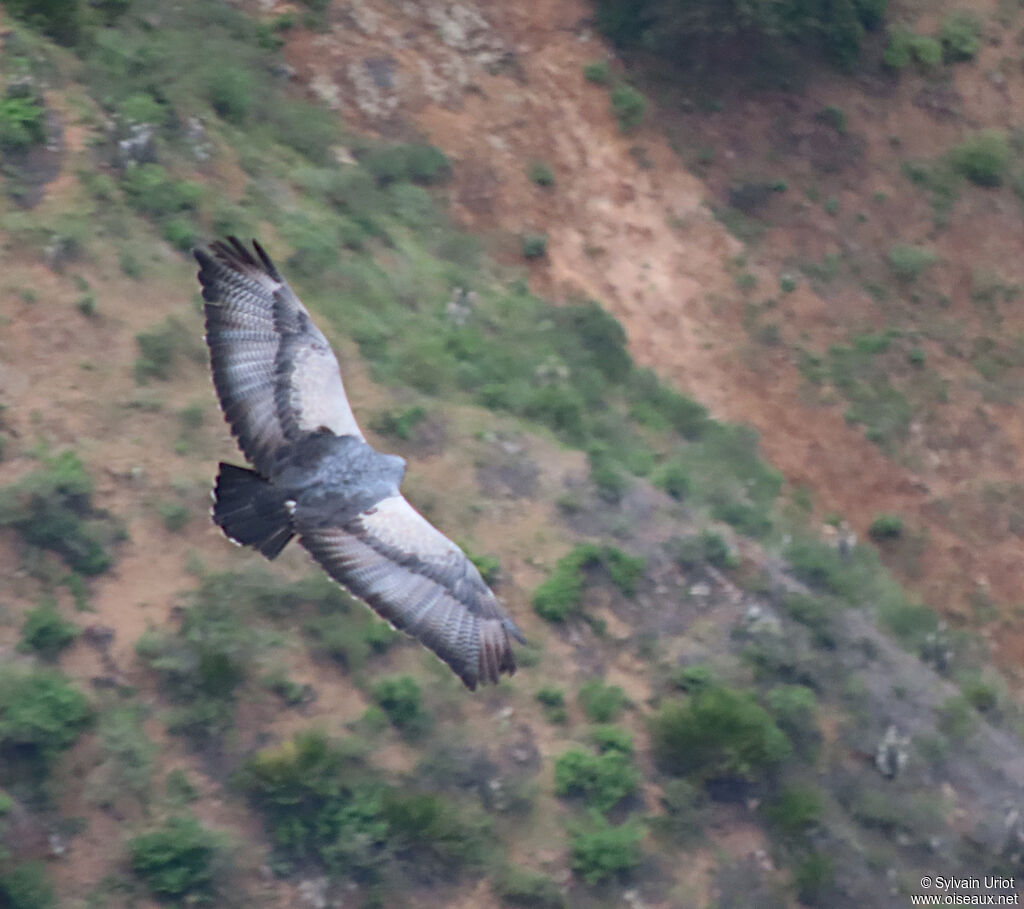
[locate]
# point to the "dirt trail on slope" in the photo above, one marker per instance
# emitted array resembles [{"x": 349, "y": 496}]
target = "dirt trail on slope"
[{"x": 498, "y": 87}]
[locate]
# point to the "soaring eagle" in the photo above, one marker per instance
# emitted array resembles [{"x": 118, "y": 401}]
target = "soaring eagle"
[{"x": 316, "y": 477}]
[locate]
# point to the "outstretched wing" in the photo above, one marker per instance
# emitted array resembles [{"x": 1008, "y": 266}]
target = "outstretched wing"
[
  {"x": 420, "y": 581},
  {"x": 274, "y": 371}
]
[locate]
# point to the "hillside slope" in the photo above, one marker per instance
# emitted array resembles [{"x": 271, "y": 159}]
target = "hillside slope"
[{"x": 718, "y": 706}]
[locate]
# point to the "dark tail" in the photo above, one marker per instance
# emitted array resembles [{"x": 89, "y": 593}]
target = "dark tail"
[{"x": 251, "y": 511}]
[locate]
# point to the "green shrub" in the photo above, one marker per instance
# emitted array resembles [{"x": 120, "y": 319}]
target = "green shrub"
[
  {"x": 599, "y": 851},
  {"x": 886, "y": 527},
  {"x": 796, "y": 810},
  {"x": 154, "y": 192},
  {"x": 534, "y": 246},
  {"x": 982, "y": 158},
  {"x": 52, "y": 508},
  {"x": 603, "y": 780},
  {"x": 528, "y": 889},
  {"x": 401, "y": 699},
  {"x": 598, "y": 72},
  {"x": 41, "y": 714},
  {"x": 813, "y": 878},
  {"x": 26, "y": 886},
  {"x": 910, "y": 262},
  {"x": 160, "y": 349},
  {"x": 230, "y": 91},
  {"x": 629, "y": 107},
  {"x": 552, "y": 700},
  {"x": 203, "y": 663},
  {"x": 960, "y": 35},
  {"x": 541, "y": 174},
  {"x": 795, "y": 709},
  {"x": 674, "y": 478},
  {"x": 600, "y": 702},
  {"x": 717, "y": 732},
  {"x": 46, "y": 631},
  {"x": 175, "y": 515},
  {"x": 22, "y": 123},
  {"x": 560, "y": 596},
  {"x": 816, "y": 614},
  {"x": 905, "y": 46},
  {"x": 60, "y": 19},
  {"x": 179, "y": 859},
  {"x": 414, "y": 163},
  {"x": 127, "y": 756}
]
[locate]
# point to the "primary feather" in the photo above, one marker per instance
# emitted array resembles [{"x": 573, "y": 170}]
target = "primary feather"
[{"x": 281, "y": 391}]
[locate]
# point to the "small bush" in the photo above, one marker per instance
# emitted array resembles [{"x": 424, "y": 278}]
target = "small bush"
[
  {"x": 600, "y": 851},
  {"x": 886, "y": 527},
  {"x": 22, "y": 123},
  {"x": 905, "y": 46},
  {"x": 983, "y": 158},
  {"x": 230, "y": 91},
  {"x": 718, "y": 732},
  {"x": 401, "y": 699},
  {"x": 552, "y": 700},
  {"x": 41, "y": 714},
  {"x": 795, "y": 710},
  {"x": 598, "y": 72},
  {"x": 160, "y": 349},
  {"x": 629, "y": 107},
  {"x": 179, "y": 859},
  {"x": 796, "y": 810},
  {"x": 541, "y": 174},
  {"x": 528, "y": 889},
  {"x": 60, "y": 19},
  {"x": 910, "y": 262},
  {"x": 154, "y": 192},
  {"x": 127, "y": 758},
  {"x": 561, "y": 595},
  {"x": 960, "y": 35},
  {"x": 46, "y": 631},
  {"x": 603, "y": 780},
  {"x": 26, "y": 886},
  {"x": 534, "y": 246},
  {"x": 600, "y": 702},
  {"x": 52, "y": 508},
  {"x": 674, "y": 478},
  {"x": 413, "y": 163},
  {"x": 175, "y": 515}
]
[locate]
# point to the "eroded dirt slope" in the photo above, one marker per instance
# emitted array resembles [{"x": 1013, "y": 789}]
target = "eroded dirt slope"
[{"x": 498, "y": 86}]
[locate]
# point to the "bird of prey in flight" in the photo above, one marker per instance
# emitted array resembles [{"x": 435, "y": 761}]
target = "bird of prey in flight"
[{"x": 316, "y": 478}]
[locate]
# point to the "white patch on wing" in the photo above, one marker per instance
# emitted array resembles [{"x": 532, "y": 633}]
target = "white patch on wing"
[{"x": 318, "y": 394}]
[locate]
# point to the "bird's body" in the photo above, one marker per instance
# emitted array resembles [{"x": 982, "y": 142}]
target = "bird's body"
[{"x": 317, "y": 478}]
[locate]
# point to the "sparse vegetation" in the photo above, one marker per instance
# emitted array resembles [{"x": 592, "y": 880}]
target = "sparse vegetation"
[
  {"x": 960, "y": 36},
  {"x": 534, "y": 246},
  {"x": 910, "y": 262},
  {"x": 600, "y": 702},
  {"x": 629, "y": 107},
  {"x": 982, "y": 158},
  {"x": 600, "y": 851},
  {"x": 886, "y": 527},
  {"x": 561, "y": 595}
]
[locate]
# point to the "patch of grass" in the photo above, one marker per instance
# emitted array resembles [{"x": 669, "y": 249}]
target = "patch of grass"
[
  {"x": 26, "y": 886},
  {"x": 175, "y": 515},
  {"x": 46, "y": 632},
  {"x": 795, "y": 811}
]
